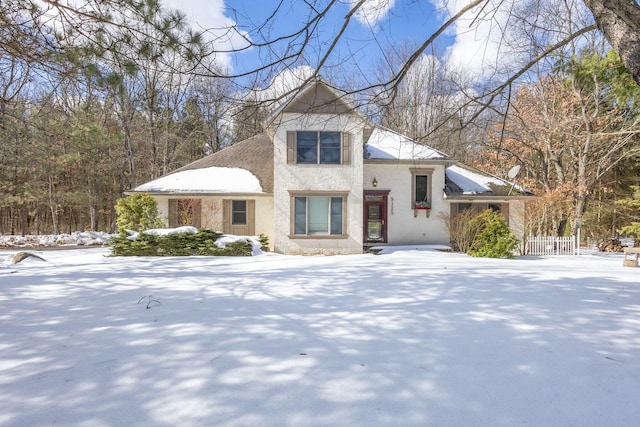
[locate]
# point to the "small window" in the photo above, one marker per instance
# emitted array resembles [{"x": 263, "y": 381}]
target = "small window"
[
  {"x": 239, "y": 212},
  {"x": 463, "y": 207},
  {"x": 318, "y": 148},
  {"x": 318, "y": 215},
  {"x": 495, "y": 207},
  {"x": 422, "y": 188}
]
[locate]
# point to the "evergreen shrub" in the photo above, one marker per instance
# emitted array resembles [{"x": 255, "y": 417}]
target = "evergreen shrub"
[
  {"x": 137, "y": 212},
  {"x": 494, "y": 238},
  {"x": 180, "y": 244}
]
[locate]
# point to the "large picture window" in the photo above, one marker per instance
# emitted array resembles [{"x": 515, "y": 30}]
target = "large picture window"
[{"x": 318, "y": 215}]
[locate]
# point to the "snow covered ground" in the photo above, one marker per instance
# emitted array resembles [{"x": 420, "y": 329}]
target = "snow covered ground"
[
  {"x": 77, "y": 238},
  {"x": 406, "y": 338}
]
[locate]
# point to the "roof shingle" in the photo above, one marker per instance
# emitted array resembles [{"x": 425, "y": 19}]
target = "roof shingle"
[{"x": 254, "y": 154}]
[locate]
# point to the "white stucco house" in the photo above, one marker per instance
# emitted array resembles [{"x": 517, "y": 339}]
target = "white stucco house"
[{"x": 322, "y": 180}]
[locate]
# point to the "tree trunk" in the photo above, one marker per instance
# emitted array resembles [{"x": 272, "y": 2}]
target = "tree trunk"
[
  {"x": 53, "y": 206},
  {"x": 619, "y": 20}
]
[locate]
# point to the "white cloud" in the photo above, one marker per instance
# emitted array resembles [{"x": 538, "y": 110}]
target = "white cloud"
[
  {"x": 202, "y": 13},
  {"x": 489, "y": 38},
  {"x": 288, "y": 80},
  {"x": 280, "y": 86},
  {"x": 478, "y": 34},
  {"x": 373, "y": 12},
  {"x": 209, "y": 15}
]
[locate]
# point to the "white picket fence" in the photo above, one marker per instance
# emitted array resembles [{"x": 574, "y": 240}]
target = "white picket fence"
[{"x": 551, "y": 245}]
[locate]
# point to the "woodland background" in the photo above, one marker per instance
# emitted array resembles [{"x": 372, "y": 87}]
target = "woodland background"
[{"x": 96, "y": 105}]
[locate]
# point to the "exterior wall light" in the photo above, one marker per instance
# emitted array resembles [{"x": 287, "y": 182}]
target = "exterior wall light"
[{"x": 375, "y": 182}]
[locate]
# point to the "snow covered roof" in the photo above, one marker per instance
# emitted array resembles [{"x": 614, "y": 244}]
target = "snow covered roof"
[
  {"x": 462, "y": 180},
  {"x": 384, "y": 144},
  {"x": 213, "y": 179},
  {"x": 245, "y": 167}
]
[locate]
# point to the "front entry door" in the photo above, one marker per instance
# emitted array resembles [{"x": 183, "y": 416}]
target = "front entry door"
[{"x": 375, "y": 216}]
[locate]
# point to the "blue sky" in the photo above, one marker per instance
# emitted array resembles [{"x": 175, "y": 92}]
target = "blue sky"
[
  {"x": 474, "y": 43},
  {"x": 406, "y": 20},
  {"x": 364, "y": 44}
]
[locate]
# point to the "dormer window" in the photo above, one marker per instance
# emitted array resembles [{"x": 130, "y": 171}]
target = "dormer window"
[{"x": 318, "y": 148}]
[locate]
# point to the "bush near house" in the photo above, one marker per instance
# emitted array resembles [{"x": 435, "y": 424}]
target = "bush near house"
[
  {"x": 484, "y": 235},
  {"x": 137, "y": 212},
  {"x": 182, "y": 244},
  {"x": 494, "y": 238},
  {"x": 462, "y": 232}
]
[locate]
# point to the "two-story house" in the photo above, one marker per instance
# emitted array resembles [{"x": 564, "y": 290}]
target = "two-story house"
[{"x": 322, "y": 180}]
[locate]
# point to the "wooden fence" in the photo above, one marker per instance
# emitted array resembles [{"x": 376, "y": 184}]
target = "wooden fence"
[{"x": 551, "y": 245}]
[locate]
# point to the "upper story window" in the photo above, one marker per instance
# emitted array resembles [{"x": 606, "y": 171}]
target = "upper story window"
[{"x": 318, "y": 148}]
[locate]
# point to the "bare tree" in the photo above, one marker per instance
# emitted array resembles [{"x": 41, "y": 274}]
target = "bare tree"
[
  {"x": 427, "y": 105},
  {"x": 568, "y": 131}
]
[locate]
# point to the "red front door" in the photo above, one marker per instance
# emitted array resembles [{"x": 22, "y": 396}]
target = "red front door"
[{"x": 375, "y": 216}]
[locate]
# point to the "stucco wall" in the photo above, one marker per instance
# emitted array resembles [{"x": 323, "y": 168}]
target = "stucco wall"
[
  {"x": 402, "y": 226},
  {"x": 212, "y": 212},
  {"x": 517, "y": 217},
  {"x": 338, "y": 178}
]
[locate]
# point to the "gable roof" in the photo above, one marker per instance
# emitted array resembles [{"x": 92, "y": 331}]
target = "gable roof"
[
  {"x": 460, "y": 180},
  {"x": 245, "y": 167},
  {"x": 385, "y": 144},
  {"x": 315, "y": 97},
  {"x": 319, "y": 99}
]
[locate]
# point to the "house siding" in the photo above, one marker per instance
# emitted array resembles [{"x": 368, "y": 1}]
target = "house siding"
[
  {"x": 517, "y": 217},
  {"x": 212, "y": 212},
  {"x": 346, "y": 178},
  {"x": 403, "y": 227}
]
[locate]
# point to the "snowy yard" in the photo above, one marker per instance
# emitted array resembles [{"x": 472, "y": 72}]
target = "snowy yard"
[{"x": 406, "y": 338}]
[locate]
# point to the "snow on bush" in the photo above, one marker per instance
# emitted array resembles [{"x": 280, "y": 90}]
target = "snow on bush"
[
  {"x": 77, "y": 238},
  {"x": 256, "y": 245},
  {"x": 91, "y": 238},
  {"x": 133, "y": 235}
]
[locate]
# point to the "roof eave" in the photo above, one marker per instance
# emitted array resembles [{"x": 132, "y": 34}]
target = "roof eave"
[
  {"x": 446, "y": 162},
  {"x": 487, "y": 196},
  {"x": 199, "y": 193}
]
